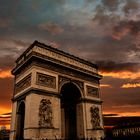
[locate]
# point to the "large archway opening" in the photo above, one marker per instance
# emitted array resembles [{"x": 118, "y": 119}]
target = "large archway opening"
[
  {"x": 70, "y": 97},
  {"x": 20, "y": 121}
]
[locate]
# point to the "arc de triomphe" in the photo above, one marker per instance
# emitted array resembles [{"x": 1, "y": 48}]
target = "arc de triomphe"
[{"x": 56, "y": 96}]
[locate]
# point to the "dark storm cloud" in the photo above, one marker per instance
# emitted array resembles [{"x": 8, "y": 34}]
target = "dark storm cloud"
[
  {"x": 50, "y": 2},
  {"x": 126, "y": 27},
  {"x": 110, "y": 24},
  {"x": 51, "y": 27},
  {"x": 103, "y": 19},
  {"x": 130, "y": 6},
  {"x": 111, "y": 4},
  {"x": 95, "y": 47},
  {"x": 90, "y": 1},
  {"x": 109, "y": 66},
  {"x": 12, "y": 46},
  {"x": 114, "y": 21},
  {"x": 110, "y": 115},
  {"x": 10, "y": 50},
  {"x": 5, "y": 23},
  {"x": 6, "y": 62}
]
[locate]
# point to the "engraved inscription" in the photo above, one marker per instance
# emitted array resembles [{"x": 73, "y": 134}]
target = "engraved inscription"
[
  {"x": 93, "y": 91},
  {"x": 46, "y": 80},
  {"x": 95, "y": 117},
  {"x": 45, "y": 113},
  {"x": 63, "y": 58},
  {"x": 24, "y": 83}
]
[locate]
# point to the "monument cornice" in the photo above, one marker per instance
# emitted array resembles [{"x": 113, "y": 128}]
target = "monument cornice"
[
  {"x": 34, "y": 56},
  {"x": 57, "y": 56},
  {"x": 58, "y": 51},
  {"x": 36, "y": 91}
]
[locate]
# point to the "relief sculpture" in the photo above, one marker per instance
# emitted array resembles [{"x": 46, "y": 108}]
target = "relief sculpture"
[
  {"x": 46, "y": 80},
  {"x": 95, "y": 117},
  {"x": 45, "y": 114},
  {"x": 93, "y": 91},
  {"x": 23, "y": 84}
]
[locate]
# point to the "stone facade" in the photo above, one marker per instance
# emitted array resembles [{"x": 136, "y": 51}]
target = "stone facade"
[{"x": 42, "y": 77}]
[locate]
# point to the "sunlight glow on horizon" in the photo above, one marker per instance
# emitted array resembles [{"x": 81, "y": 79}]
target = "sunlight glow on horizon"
[
  {"x": 4, "y": 110},
  {"x": 122, "y": 75},
  {"x": 105, "y": 86},
  {"x": 122, "y": 114},
  {"x": 5, "y": 73},
  {"x": 5, "y": 119},
  {"x": 129, "y": 85},
  {"x": 7, "y": 126}
]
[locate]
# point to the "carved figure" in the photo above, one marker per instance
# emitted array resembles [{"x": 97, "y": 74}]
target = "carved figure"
[
  {"x": 45, "y": 113},
  {"x": 95, "y": 117},
  {"x": 46, "y": 80},
  {"x": 93, "y": 91}
]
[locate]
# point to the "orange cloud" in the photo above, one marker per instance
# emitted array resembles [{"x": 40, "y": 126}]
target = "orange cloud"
[
  {"x": 54, "y": 44},
  {"x": 110, "y": 114},
  {"x": 5, "y": 118},
  {"x": 4, "y": 110},
  {"x": 105, "y": 86},
  {"x": 4, "y": 23},
  {"x": 120, "y": 114},
  {"x": 51, "y": 27},
  {"x": 5, "y": 122},
  {"x": 122, "y": 75},
  {"x": 129, "y": 85},
  {"x": 121, "y": 34},
  {"x": 130, "y": 114},
  {"x": 5, "y": 74},
  {"x": 6, "y": 125}
]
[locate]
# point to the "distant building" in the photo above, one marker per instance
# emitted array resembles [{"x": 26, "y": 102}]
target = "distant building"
[
  {"x": 128, "y": 127},
  {"x": 4, "y": 134},
  {"x": 125, "y": 128},
  {"x": 3, "y": 128}
]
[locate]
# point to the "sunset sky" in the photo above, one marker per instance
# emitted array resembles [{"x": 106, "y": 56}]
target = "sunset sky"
[{"x": 106, "y": 32}]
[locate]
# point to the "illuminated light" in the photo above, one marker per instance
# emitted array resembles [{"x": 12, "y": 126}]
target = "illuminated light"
[
  {"x": 121, "y": 75},
  {"x": 5, "y": 74},
  {"x": 108, "y": 127},
  {"x": 129, "y": 85},
  {"x": 105, "y": 86}
]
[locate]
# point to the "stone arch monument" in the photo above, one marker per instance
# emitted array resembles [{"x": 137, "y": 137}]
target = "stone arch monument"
[{"x": 56, "y": 96}]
